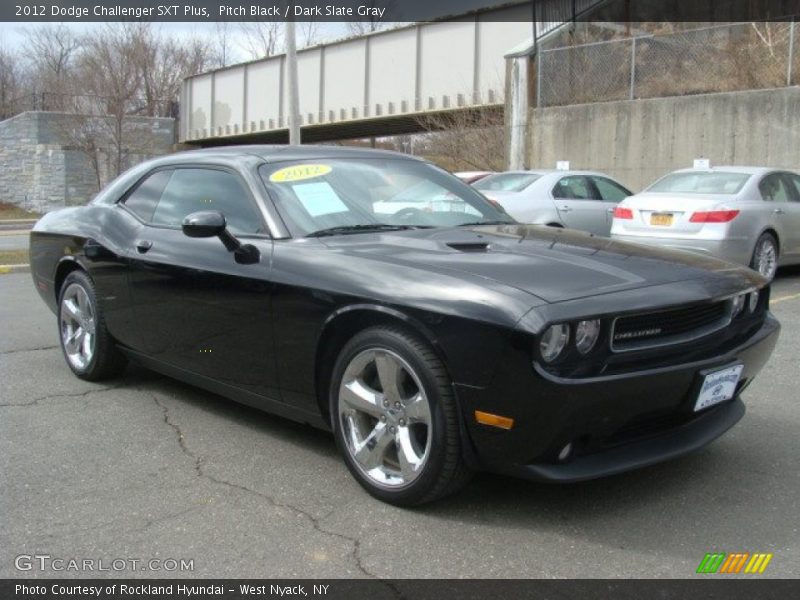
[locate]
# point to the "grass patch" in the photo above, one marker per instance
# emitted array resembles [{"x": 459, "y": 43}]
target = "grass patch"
[
  {"x": 9, "y": 211},
  {"x": 14, "y": 257}
]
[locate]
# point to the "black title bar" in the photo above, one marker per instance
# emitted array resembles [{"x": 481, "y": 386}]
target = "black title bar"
[
  {"x": 708, "y": 588},
  {"x": 397, "y": 11}
]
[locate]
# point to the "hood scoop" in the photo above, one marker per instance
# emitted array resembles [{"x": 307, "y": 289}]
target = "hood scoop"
[{"x": 469, "y": 246}]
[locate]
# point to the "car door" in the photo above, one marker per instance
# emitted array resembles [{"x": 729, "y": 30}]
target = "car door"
[
  {"x": 579, "y": 204},
  {"x": 197, "y": 308},
  {"x": 612, "y": 194},
  {"x": 792, "y": 214},
  {"x": 778, "y": 192}
]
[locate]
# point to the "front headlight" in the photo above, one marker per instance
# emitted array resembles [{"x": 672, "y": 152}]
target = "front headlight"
[
  {"x": 586, "y": 334},
  {"x": 738, "y": 305},
  {"x": 553, "y": 341},
  {"x": 752, "y": 301}
]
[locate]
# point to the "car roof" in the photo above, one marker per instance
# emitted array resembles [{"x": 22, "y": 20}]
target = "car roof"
[
  {"x": 275, "y": 152},
  {"x": 732, "y": 169},
  {"x": 550, "y": 172}
]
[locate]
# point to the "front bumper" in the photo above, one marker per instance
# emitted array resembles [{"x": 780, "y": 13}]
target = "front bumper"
[
  {"x": 738, "y": 250},
  {"x": 615, "y": 423}
]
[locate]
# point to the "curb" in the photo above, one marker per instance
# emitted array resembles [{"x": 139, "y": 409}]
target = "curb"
[
  {"x": 6, "y": 269},
  {"x": 16, "y": 225}
]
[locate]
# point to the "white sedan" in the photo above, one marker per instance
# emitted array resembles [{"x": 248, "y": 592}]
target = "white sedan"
[
  {"x": 748, "y": 215},
  {"x": 575, "y": 199}
]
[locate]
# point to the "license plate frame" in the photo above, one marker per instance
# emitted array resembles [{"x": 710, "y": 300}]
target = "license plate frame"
[
  {"x": 662, "y": 219},
  {"x": 717, "y": 386}
]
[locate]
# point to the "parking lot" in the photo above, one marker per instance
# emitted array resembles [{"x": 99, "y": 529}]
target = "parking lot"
[{"x": 146, "y": 467}]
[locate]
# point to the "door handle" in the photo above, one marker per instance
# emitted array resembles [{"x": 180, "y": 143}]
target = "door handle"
[
  {"x": 143, "y": 246},
  {"x": 778, "y": 211},
  {"x": 564, "y": 209}
]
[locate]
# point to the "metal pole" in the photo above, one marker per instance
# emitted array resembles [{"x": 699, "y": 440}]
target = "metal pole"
[
  {"x": 293, "y": 91},
  {"x": 791, "y": 54},
  {"x": 633, "y": 69}
]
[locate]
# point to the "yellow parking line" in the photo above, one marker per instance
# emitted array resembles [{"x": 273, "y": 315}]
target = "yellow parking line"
[{"x": 782, "y": 298}]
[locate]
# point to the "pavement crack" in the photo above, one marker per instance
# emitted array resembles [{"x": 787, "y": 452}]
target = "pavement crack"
[
  {"x": 17, "y": 351},
  {"x": 83, "y": 394},
  {"x": 316, "y": 522}
]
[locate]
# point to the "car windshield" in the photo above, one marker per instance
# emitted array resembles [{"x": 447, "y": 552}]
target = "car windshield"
[
  {"x": 347, "y": 195},
  {"x": 506, "y": 182},
  {"x": 701, "y": 182}
]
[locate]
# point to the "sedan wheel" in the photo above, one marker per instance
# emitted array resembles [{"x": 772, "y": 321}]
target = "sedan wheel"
[
  {"x": 765, "y": 256},
  {"x": 90, "y": 351},
  {"x": 395, "y": 418}
]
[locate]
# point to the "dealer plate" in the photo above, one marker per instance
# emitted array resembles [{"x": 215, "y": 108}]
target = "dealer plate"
[{"x": 718, "y": 386}]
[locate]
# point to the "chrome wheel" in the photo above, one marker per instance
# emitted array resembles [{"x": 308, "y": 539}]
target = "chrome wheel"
[
  {"x": 77, "y": 321},
  {"x": 385, "y": 418},
  {"x": 766, "y": 257}
]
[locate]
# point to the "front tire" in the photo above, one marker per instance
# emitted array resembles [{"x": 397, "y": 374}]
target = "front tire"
[
  {"x": 765, "y": 256},
  {"x": 87, "y": 346},
  {"x": 395, "y": 418}
]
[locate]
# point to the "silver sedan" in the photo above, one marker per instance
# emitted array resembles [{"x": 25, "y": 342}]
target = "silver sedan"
[
  {"x": 748, "y": 215},
  {"x": 575, "y": 199}
]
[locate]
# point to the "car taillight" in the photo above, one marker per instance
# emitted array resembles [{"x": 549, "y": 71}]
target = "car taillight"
[
  {"x": 714, "y": 216},
  {"x": 620, "y": 212}
]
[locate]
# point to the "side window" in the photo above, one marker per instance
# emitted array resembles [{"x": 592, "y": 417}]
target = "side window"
[
  {"x": 794, "y": 181},
  {"x": 142, "y": 200},
  {"x": 574, "y": 187},
  {"x": 610, "y": 191},
  {"x": 773, "y": 188},
  {"x": 193, "y": 189}
]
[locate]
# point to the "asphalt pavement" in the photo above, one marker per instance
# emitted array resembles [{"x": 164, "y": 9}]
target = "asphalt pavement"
[{"x": 145, "y": 467}]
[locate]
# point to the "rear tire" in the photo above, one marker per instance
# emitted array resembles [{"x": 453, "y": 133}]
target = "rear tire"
[
  {"x": 88, "y": 348},
  {"x": 395, "y": 418},
  {"x": 765, "y": 256}
]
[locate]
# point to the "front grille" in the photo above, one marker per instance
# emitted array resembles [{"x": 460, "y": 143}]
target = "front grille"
[{"x": 674, "y": 326}]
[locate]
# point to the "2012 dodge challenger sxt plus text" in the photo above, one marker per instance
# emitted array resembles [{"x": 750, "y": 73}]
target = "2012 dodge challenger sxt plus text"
[{"x": 375, "y": 295}]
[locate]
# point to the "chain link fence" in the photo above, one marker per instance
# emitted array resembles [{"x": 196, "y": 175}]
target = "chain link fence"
[{"x": 723, "y": 58}]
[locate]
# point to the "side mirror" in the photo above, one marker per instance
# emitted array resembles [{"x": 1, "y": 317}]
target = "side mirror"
[
  {"x": 204, "y": 224},
  {"x": 211, "y": 223}
]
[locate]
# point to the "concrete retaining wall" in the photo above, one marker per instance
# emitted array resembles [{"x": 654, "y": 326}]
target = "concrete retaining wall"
[
  {"x": 641, "y": 140},
  {"x": 41, "y": 171}
]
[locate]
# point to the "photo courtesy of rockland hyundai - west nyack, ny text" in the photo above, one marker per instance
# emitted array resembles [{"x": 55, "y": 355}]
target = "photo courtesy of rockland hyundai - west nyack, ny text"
[{"x": 400, "y": 299}]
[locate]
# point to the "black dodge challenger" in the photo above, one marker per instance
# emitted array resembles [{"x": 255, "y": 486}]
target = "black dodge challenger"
[{"x": 375, "y": 295}]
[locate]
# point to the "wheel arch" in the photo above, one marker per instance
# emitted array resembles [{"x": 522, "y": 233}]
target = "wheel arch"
[
  {"x": 65, "y": 266},
  {"x": 773, "y": 232},
  {"x": 346, "y": 322}
]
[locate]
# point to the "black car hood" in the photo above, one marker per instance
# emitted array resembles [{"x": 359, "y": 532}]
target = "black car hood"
[{"x": 550, "y": 263}]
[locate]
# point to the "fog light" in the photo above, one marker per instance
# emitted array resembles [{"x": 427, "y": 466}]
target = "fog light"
[
  {"x": 553, "y": 341},
  {"x": 752, "y": 301},
  {"x": 738, "y": 305},
  {"x": 565, "y": 452},
  {"x": 586, "y": 334}
]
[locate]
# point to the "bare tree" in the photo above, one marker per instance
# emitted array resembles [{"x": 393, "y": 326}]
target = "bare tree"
[
  {"x": 11, "y": 88},
  {"x": 52, "y": 51},
  {"x": 309, "y": 32},
  {"x": 464, "y": 140},
  {"x": 222, "y": 51},
  {"x": 111, "y": 78},
  {"x": 261, "y": 38},
  {"x": 162, "y": 65}
]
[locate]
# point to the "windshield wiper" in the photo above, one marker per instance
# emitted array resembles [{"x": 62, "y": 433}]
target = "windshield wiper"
[
  {"x": 486, "y": 223},
  {"x": 363, "y": 228}
]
